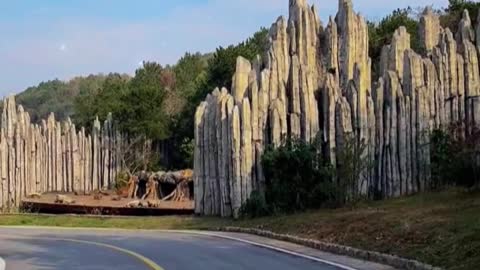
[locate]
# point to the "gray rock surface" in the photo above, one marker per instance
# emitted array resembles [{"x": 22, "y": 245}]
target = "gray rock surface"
[
  {"x": 53, "y": 157},
  {"x": 317, "y": 83}
]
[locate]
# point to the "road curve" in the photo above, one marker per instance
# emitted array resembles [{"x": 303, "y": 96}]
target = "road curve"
[{"x": 32, "y": 249}]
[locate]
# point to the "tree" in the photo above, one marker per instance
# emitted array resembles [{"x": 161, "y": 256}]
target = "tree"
[
  {"x": 381, "y": 33},
  {"x": 187, "y": 70},
  {"x": 453, "y": 13},
  {"x": 56, "y": 96},
  {"x": 222, "y": 66},
  {"x": 93, "y": 103},
  {"x": 297, "y": 177},
  {"x": 197, "y": 76},
  {"x": 142, "y": 112},
  {"x": 352, "y": 169}
]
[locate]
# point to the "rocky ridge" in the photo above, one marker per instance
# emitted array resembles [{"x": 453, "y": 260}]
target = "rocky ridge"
[
  {"x": 54, "y": 156},
  {"x": 316, "y": 82}
]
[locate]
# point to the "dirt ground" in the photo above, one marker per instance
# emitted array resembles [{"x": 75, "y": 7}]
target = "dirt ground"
[{"x": 104, "y": 201}]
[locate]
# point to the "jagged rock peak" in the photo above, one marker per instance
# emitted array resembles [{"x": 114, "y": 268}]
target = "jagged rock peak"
[
  {"x": 465, "y": 30},
  {"x": 345, "y": 4},
  {"x": 240, "y": 79},
  {"x": 394, "y": 53},
  {"x": 298, "y": 3},
  {"x": 429, "y": 29},
  {"x": 352, "y": 42}
]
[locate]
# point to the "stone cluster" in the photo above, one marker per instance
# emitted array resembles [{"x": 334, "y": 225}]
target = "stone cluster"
[
  {"x": 53, "y": 156},
  {"x": 315, "y": 82}
]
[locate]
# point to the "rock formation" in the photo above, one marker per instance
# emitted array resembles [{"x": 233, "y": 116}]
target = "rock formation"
[
  {"x": 53, "y": 156},
  {"x": 316, "y": 82}
]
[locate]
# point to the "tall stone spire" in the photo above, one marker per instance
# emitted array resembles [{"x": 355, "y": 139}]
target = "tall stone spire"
[{"x": 316, "y": 84}]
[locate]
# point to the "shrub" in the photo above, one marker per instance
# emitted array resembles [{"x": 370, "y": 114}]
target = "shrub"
[
  {"x": 121, "y": 180},
  {"x": 255, "y": 206},
  {"x": 455, "y": 158},
  {"x": 352, "y": 170},
  {"x": 297, "y": 178}
]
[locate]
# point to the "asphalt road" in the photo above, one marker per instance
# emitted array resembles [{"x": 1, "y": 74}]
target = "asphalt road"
[{"x": 29, "y": 249}]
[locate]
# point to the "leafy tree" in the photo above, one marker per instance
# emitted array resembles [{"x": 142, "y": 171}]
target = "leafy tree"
[
  {"x": 454, "y": 158},
  {"x": 197, "y": 76},
  {"x": 137, "y": 104},
  {"x": 453, "y": 13},
  {"x": 56, "y": 96},
  {"x": 142, "y": 110},
  {"x": 93, "y": 103},
  {"x": 222, "y": 66},
  {"x": 352, "y": 168},
  {"x": 381, "y": 33},
  {"x": 187, "y": 70},
  {"x": 155, "y": 102},
  {"x": 297, "y": 178}
]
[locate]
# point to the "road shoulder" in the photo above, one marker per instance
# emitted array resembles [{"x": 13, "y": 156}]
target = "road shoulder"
[
  {"x": 286, "y": 247},
  {"x": 340, "y": 261}
]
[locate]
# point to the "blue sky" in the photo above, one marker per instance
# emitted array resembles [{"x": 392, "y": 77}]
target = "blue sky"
[{"x": 47, "y": 39}]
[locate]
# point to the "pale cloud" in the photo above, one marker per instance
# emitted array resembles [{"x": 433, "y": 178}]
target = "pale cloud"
[
  {"x": 63, "y": 47},
  {"x": 103, "y": 45}
]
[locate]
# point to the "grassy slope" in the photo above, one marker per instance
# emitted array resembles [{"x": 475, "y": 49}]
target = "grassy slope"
[{"x": 439, "y": 228}]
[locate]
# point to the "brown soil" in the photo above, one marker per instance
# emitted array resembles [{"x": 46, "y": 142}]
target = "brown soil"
[{"x": 105, "y": 201}]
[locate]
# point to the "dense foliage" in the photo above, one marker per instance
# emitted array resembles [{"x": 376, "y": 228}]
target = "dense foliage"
[
  {"x": 453, "y": 13},
  {"x": 135, "y": 103},
  {"x": 381, "y": 33},
  {"x": 455, "y": 158},
  {"x": 353, "y": 166},
  {"x": 297, "y": 177},
  {"x": 99, "y": 101},
  {"x": 159, "y": 102},
  {"x": 57, "y": 96},
  {"x": 196, "y": 77}
]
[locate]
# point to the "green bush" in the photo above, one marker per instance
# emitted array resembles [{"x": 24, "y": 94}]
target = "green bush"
[
  {"x": 121, "y": 180},
  {"x": 352, "y": 169},
  {"x": 297, "y": 178},
  {"x": 455, "y": 158},
  {"x": 255, "y": 207}
]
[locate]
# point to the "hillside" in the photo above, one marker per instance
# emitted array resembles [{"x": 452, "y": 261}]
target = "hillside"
[{"x": 57, "y": 96}]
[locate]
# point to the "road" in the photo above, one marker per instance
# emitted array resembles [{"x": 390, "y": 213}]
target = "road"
[{"x": 29, "y": 249}]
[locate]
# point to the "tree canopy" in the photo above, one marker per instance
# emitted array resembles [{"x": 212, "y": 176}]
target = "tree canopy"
[
  {"x": 381, "y": 33},
  {"x": 453, "y": 13}
]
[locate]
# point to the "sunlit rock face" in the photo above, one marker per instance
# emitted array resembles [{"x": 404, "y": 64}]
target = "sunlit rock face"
[{"x": 315, "y": 82}]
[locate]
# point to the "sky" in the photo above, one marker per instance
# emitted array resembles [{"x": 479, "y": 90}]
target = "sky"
[{"x": 42, "y": 40}]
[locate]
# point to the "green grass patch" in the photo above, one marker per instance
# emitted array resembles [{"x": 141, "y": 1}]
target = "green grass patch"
[{"x": 442, "y": 229}]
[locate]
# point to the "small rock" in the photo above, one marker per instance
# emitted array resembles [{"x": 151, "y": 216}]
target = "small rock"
[
  {"x": 34, "y": 196},
  {"x": 153, "y": 203},
  {"x": 134, "y": 204},
  {"x": 64, "y": 199}
]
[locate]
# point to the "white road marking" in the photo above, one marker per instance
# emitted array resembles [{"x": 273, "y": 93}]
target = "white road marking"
[
  {"x": 2, "y": 264},
  {"x": 211, "y": 234},
  {"x": 288, "y": 252}
]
